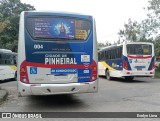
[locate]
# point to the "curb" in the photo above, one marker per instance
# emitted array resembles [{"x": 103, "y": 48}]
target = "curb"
[{"x": 3, "y": 95}]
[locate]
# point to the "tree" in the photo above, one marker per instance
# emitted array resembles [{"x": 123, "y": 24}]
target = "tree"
[
  {"x": 148, "y": 29},
  {"x": 157, "y": 46},
  {"x": 130, "y": 31},
  {"x": 9, "y": 22},
  {"x": 102, "y": 45}
]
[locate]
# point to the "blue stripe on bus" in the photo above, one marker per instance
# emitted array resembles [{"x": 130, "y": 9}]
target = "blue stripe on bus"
[
  {"x": 150, "y": 65},
  {"x": 117, "y": 64},
  {"x": 124, "y": 58},
  {"x": 113, "y": 64}
]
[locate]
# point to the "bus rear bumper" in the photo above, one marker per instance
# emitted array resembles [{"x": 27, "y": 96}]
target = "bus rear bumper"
[
  {"x": 139, "y": 73},
  {"x": 55, "y": 89}
]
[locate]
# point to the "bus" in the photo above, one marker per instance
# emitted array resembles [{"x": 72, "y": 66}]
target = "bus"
[
  {"x": 127, "y": 60},
  {"x": 8, "y": 64},
  {"x": 57, "y": 53}
]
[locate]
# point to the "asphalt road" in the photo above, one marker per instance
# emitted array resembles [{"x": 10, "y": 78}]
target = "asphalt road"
[{"x": 140, "y": 95}]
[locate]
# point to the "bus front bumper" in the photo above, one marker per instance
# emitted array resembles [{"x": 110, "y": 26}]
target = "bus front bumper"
[{"x": 55, "y": 89}]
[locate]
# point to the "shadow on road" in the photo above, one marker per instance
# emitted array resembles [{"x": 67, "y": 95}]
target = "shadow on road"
[
  {"x": 55, "y": 101},
  {"x": 125, "y": 81},
  {"x": 6, "y": 81}
]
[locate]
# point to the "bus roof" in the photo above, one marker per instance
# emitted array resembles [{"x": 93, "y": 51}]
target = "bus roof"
[
  {"x": 109, "y": 47},
  {"x": 7, "y": 51},
  {"x": 125, "y": 42},
  {"x": 60, "y": 12}
]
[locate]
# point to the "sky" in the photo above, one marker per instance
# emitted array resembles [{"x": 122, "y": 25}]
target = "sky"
[{"x": 110, "y": 15}]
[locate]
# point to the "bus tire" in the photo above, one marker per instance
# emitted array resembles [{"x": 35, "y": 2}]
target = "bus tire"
[
  {"x": 107, "y": 74},
  {"x": 15, "y": 76},
  {"x": 129, "y": 78}
]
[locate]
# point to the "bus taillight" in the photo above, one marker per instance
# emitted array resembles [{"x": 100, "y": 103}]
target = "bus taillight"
[
  {"x": 23, "y": 74},
  {"x": 153, "y": 65},
  {"x": 125, "y": 65},
  {"x": 94, "y": 71}
]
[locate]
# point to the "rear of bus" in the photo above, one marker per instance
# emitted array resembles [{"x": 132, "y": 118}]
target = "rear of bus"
[
  {"x": 56, "y": 54},
  {"x": 138, "y": 59}
]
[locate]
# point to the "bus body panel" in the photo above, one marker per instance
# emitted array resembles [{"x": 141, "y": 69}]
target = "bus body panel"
[
  {"x": 8, "y": 62},
  {"x": 57, "y": 65},
  {"x": 138, "y": 65},
  {"x": 7, "y": 71}
]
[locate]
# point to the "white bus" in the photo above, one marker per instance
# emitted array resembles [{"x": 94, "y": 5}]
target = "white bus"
[
  {"x": 57, "y": 53},
  {"x": 8, "y": 64},
  {"x": 127, "y": 60}
]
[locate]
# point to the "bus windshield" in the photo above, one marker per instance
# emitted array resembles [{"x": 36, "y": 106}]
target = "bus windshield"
[
  {"x": 58, "y": 28},
  {"x": 139, "y": 49}
]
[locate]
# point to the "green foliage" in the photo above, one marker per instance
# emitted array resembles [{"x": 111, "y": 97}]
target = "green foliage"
[
  {"x": 9, "y": 22},
  {"x": 102, "y": 45},
  {"x": 130, "y": 32},
  {"x": 157, "y": 72},
  {"x": 147, "y": 30},
  {"x": 157, "y": 46}
]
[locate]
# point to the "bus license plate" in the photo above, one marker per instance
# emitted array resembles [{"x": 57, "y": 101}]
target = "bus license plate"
[{"x": 139, "y": 69}]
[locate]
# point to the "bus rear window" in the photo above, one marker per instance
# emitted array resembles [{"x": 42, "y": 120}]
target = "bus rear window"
[
  {"x": 58, "y": 28},
  {"x": 139, "y": 49}
]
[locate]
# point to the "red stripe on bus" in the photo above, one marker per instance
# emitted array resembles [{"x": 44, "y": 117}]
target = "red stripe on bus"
[
  {"x": 139, "y": 57},
  {"x": 80, "y": 66}
]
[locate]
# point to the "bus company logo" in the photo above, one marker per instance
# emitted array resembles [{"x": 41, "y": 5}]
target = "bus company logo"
[
  {"x": 6, "y": 115},
  {"x": 33, "y": 70},
  {"x": 136, "y": 61},
  {"x": 139, "y": 61}
]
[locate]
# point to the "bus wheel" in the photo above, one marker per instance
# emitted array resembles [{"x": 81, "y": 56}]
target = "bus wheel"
[
  {"x": 108, "y": 75},
  {"x": 129, "y": 78},
  {"x": 15, "y": 76}
]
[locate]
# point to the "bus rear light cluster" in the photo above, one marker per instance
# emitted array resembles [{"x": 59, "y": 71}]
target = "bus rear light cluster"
[
  {"x": 128, "y": 72},
  {"x": 125, "y": 65},
  {"x": 23, "y": 74},
  {"x": 153, "y": 65},
  {"x": 23, "y": 90},
  {"x": 94, "y": 71},
  {"x": 151, "y": 73}
]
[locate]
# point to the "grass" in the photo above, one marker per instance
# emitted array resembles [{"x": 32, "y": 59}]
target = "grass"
[{"x": 157, "y": 73}]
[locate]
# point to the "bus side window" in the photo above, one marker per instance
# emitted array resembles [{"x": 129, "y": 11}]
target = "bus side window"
[
  {"x": 103, "y": 53},
  {"x": 112, "y": 51},
  {"x": 113, "y": 54},
  {"x": 117, "y": 53},
  {"x": 0, "y": 58},
  {"x": 120, "y": 51},
  {"x": 100, "y": 56},
  {"x": 109, "y": 54},
  {"x": 106, "y": 55}
]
